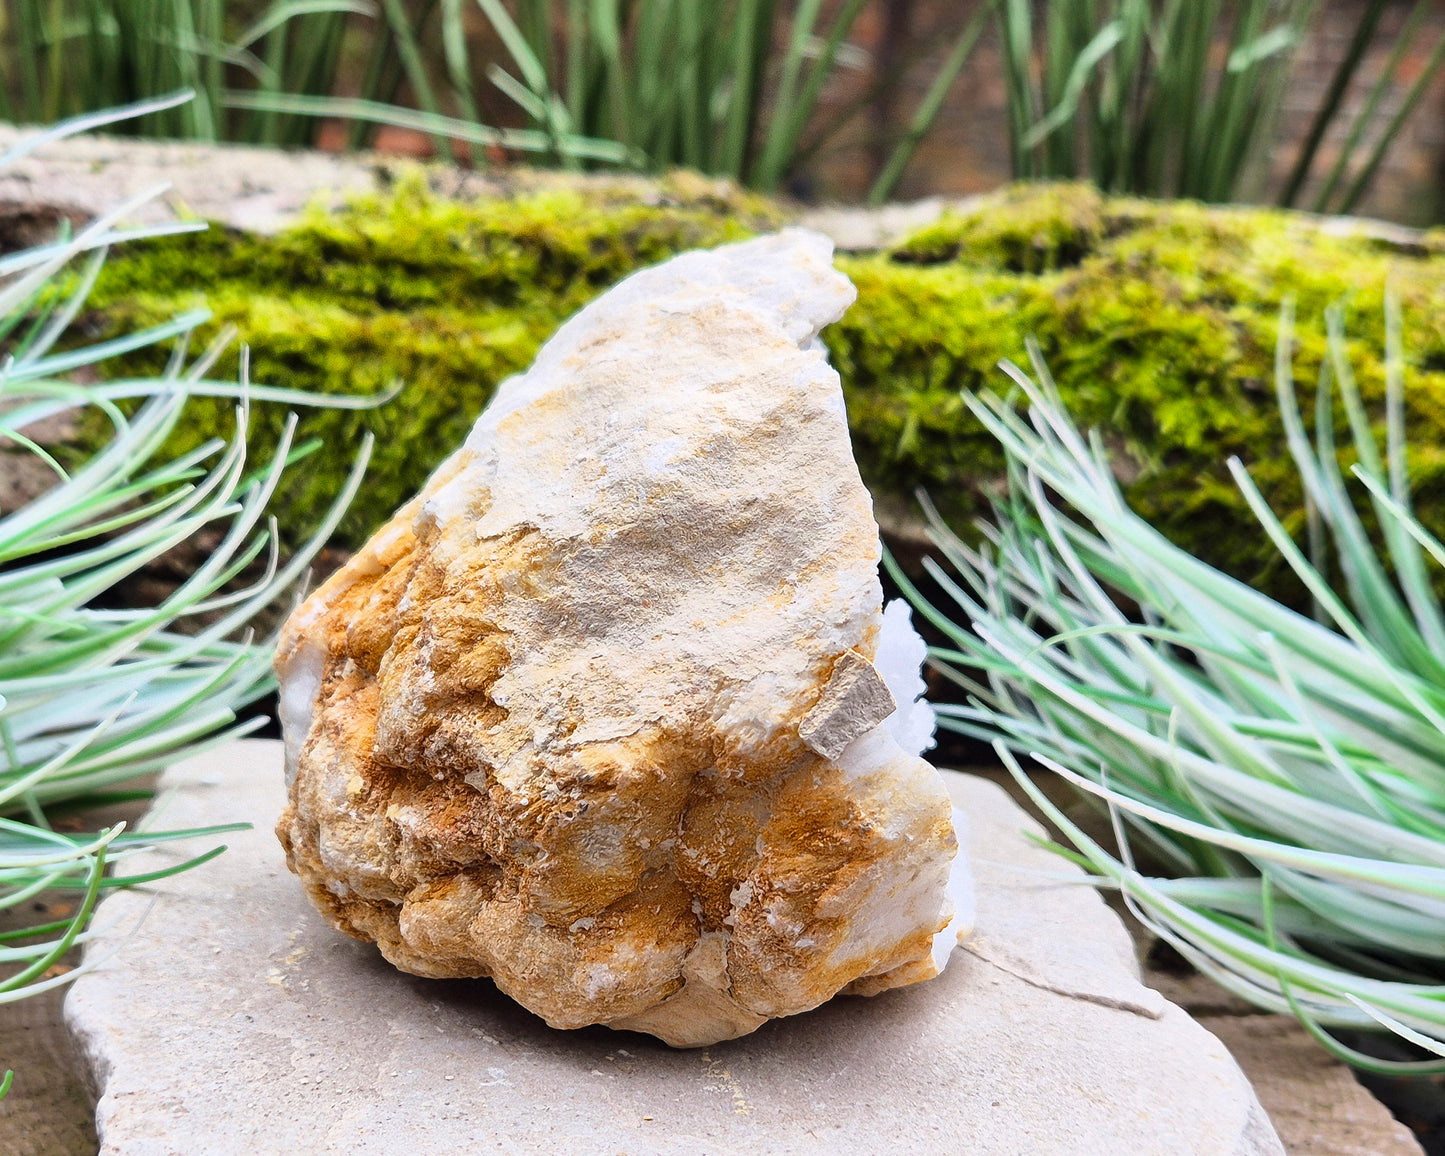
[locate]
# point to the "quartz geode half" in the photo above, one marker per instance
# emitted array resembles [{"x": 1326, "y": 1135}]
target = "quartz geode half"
[{"x": 611, "y": 711}]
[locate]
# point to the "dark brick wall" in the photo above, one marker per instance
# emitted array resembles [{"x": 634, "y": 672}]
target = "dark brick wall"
[
  {"x": 1411, "y": 184},
  {"x": 968, "y": 149}
]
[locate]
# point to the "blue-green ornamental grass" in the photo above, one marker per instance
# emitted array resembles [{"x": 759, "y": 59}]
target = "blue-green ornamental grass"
[
  {"x": 90, "y": 696},
  {"x": 1288, "y": 770}
]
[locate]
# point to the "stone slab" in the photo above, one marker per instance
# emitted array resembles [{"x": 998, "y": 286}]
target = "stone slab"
[
  {"x": 265, "y": 189},
  {"x": 257, "y": 189},
  {"x": 233, "y": 1020}
]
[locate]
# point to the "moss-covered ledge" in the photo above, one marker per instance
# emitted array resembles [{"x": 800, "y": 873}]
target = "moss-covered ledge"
[{"x": 1157, "y": 319}]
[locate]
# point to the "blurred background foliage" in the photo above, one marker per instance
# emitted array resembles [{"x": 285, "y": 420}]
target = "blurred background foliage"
[{"x": 1151, "y": 97}]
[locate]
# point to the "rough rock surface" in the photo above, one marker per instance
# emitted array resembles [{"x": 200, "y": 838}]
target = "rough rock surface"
[
  {"x": 233, "y": 1021},
  {"x": 597, "y": 714}
]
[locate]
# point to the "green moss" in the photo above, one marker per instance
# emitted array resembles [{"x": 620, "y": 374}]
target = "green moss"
[
  {"x": 1158, "y": 321},
  {"x": 446, "y": 298},
  {"x": 1025, "y": 229},
  {"x": 1160, "y": 329}
]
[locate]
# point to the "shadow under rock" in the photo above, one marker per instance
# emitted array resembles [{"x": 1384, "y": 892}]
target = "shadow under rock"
[{"x": 480, "y": 1003}]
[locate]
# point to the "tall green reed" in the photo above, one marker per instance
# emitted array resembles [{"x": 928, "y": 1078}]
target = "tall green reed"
[
  {"x": 731, "y": 89},
  {"x": 734, "y": 89},
  {"x": 78, "y": 56},
  {"x": 1183, "y": 97}
]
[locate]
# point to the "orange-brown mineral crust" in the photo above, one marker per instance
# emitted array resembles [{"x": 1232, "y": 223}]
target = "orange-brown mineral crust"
[{"x": 545, "y": 726}]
